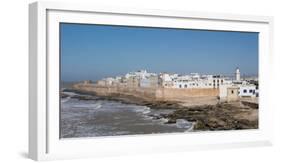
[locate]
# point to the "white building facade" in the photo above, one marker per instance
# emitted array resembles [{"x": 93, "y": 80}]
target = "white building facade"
[
  {"x": 194, "y": 80},
  {"x": 248, "y": 91},
  {"x": 225, "y": 85}
]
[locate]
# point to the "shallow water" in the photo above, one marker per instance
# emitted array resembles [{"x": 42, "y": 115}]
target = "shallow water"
[{"x": 92, "y": 118}]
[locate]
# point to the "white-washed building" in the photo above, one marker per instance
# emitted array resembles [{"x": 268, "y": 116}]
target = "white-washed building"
[
  {"x": 166, "y": 80},
  {"x": 144, "y": 79},
  {"x": 139, "y": 74},
  {"x": 244, "y": 88},
  {"x": 196, "y": 81},
  {"x": 217, "y": 81},
  {"x": 248, "y": 90}
]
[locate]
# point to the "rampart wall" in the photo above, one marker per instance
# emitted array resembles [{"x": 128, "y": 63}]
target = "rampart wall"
[{"x": 166, "y": 94}]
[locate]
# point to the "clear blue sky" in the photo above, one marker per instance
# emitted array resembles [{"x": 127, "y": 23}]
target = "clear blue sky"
[{"x": 96, "y": 51}]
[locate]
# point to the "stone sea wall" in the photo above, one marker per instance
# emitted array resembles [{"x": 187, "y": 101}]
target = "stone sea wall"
[
  {"x": 159, "y": 94},
  {"x": 184, "y": 94}
]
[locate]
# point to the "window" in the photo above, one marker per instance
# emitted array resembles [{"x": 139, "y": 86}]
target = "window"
[
  {"x": 254, "y": 92},
  {"x": 245, "y": 91},
  {"x": 232, "y": 92},
  {"x": 180, "y": 85},
  {"x": 250, "y": 91},
  {"x": 221, "y": 81},
  {"x": 185, "y": 86}
]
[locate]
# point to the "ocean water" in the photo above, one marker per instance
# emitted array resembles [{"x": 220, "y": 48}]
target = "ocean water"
[{"x": 93, "y": 118}]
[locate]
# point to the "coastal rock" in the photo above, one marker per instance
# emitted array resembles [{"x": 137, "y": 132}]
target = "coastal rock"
[
  {"x": 218, "y": 117},
  {"x": 221, "y": 116},
  {"x": 171, "y": 121}
]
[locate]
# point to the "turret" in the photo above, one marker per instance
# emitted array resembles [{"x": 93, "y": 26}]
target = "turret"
[{"x": 237, "y": 74}]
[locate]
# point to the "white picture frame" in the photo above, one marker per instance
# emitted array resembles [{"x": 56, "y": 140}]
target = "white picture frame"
[{"x": 44, "y": 141}]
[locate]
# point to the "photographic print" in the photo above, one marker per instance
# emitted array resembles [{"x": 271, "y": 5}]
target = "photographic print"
[{"x": 128, "y": 80}]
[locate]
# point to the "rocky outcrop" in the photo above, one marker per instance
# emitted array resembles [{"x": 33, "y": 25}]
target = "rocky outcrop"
[{"x": 218, "y": 117}]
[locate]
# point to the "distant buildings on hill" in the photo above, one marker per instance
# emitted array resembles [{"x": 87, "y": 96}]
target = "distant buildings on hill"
[{"x": 227, "y": 86}]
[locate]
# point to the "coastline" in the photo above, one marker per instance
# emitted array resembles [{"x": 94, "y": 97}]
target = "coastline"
[{"x": 205, "y": 117}]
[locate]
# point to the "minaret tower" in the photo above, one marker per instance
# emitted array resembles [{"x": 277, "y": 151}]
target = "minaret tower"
[{"x": 237, "y": 74}]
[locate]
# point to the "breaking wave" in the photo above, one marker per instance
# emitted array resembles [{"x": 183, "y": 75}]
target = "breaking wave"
[
  {"x": 182, "y": 123},
  {"x": 142, "y": 109},
  {"x": 90, "y": 106},
  {"x": 66, "y": 99},
  {"x": 91, "y": 118}
]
